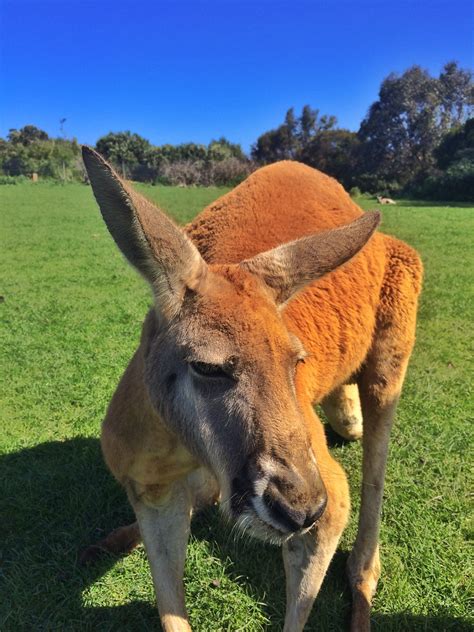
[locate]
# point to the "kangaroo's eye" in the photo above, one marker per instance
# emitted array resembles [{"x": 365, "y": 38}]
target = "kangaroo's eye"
[{"x": 208, "y": 370}]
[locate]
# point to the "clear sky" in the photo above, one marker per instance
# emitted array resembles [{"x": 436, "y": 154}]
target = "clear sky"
[{"x": 191, "y": 71}]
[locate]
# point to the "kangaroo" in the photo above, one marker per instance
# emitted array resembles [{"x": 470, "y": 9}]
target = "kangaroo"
[
  {"x": 385, "y": 200},
  {"x": 278, "y": 296}
]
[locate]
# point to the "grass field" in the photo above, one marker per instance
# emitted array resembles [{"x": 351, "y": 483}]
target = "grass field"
[{"x": 71, "y": 311}]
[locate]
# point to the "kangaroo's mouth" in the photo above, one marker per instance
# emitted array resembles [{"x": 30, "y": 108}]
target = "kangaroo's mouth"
[
  {"x": 250, "y": 523},
  {"x": 258, "y": 508},
  {"x": 255, "y": 521},
  {"x": 241, "y": 511}
]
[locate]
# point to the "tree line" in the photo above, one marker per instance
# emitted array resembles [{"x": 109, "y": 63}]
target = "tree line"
[
  {"x": 31, "y": 151},
  {"x": 417, "y": 139}
]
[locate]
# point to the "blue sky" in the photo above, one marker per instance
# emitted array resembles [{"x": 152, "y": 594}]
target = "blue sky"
[{"x": 191, "y": 71}]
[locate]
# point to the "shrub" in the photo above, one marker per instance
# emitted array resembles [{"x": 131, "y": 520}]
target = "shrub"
[
  {"x": 12, "y": 179},
  {"x": 181, "y": 173},
  {"x": 355, "y": 192},
  {"x": 228, "y": 172},
  {"x": 225, "y": 172},
  {"x": 373, "y": 183},
  {"x": 456, "y": 183}
]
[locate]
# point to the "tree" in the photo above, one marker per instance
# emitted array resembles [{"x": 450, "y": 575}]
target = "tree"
[
  {"x": 15, "y": 160},
  {"x": 271, "y": 146},
  {"x": 456, "y": 145},
  {"x": 456, "y": 91},
  {"x": 30, "y": 150},
  {"x": 403, "y": 128},
  {"x": 222, "y": 149},
  {"x": 26, "y": 135},
  {"x": 335, "y": 152},
  {"x": 311, "y": 124},
  {"x": 308, "y": 121},
  {"x": 289, "y": 140},
  {"x": 127, "y": 151}
]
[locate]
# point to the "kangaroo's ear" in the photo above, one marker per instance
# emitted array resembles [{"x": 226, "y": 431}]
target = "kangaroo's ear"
[
  {"x": 288, "y": 268},
  {"x": 159, "y": 250}
]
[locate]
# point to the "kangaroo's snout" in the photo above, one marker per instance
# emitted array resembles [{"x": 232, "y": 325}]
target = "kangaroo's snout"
[
  {"x": 294, "y": 516},
  {"x": 285, "y": 497},
  {"x": 295, "y": 496}
]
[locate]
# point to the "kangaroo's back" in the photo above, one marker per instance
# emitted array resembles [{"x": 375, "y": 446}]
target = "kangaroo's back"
[
  {"x": 336, "y": 315},
  {"x": 276, "y": 204}
]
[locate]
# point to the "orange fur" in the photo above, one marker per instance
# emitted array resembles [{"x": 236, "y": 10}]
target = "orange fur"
[
  {"x": 356, "y": 324},
  {"x": 336, "y": 316}
]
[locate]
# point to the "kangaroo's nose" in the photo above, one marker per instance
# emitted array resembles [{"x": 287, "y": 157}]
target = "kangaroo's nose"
[
  {"x": 317, "y": 512},
  {"x": 293, "y": 516}
]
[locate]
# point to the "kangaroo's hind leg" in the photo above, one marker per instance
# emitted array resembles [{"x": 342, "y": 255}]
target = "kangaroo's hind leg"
[
  {"x": 342, "y": 408},
  {"x": 380, "y": 384},
  {"x": 118, "y": 542}
]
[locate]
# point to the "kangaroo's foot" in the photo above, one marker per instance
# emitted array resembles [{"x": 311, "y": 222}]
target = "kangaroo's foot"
[{"x": 118, "y": 542}]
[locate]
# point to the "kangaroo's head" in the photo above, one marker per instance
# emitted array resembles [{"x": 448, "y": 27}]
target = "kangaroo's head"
[{"x": 221, "y": 367}]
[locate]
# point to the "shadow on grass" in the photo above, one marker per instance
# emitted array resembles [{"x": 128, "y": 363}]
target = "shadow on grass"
[{"x": 58, "y": 497}]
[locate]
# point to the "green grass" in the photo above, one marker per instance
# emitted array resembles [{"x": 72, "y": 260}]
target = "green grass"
[{"x": 71, "y": 316}]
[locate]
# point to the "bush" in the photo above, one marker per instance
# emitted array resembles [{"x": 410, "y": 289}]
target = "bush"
[
  {"x": 226, "y": 172},
  {"x": 456, "y": 183},
  {"x": 355, "y": 192},
  {"x": 373, "y": 183},
  {"x": 30, "y": 150},
  {"x": 180, "y": 173},
  {"x": 12, "y": 179}
]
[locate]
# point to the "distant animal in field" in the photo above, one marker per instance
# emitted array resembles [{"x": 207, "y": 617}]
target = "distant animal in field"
[
  {"x": 385, "y": 200},
  {"x": 276, "y": 297}
]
